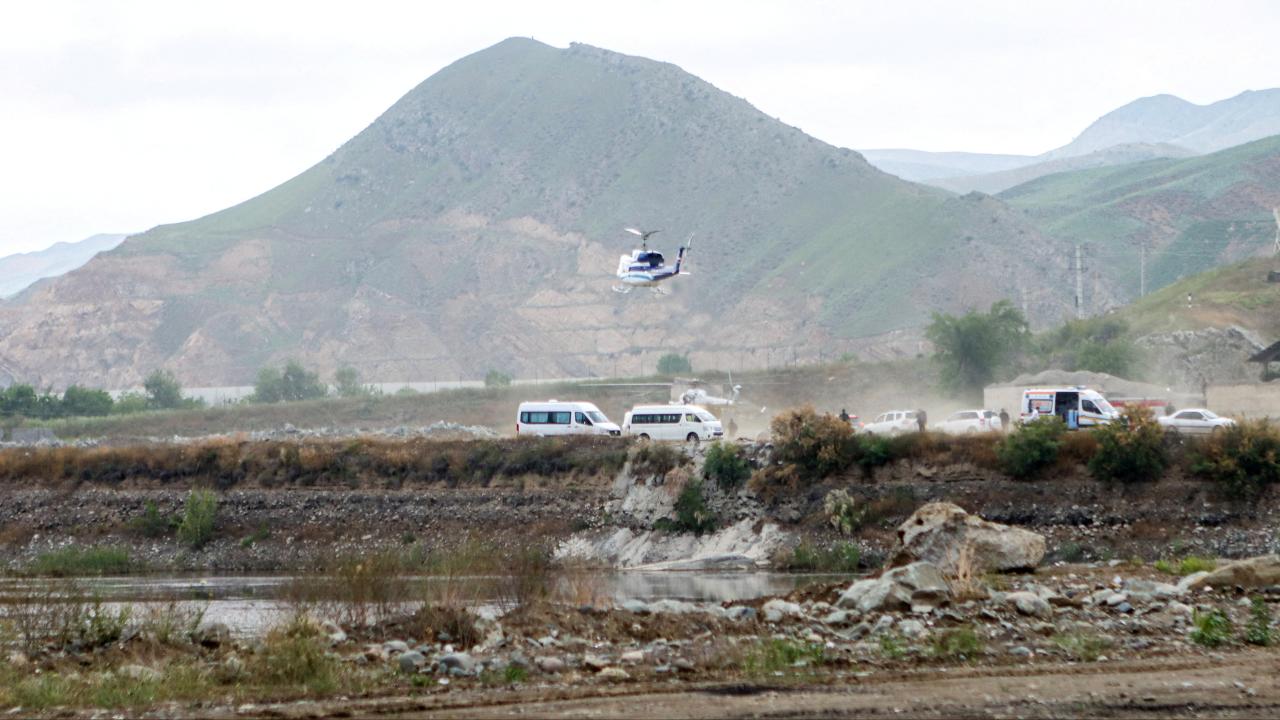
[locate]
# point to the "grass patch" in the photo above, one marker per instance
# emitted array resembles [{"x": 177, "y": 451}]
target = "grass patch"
[
  {"x": 842, "y": 557},
  {"x": 1082, "y": 647},
  {"x": 1186, "y": 566},
  {"x": 960, "y": 643},
  {"x": 1211, "y": 629},
  {"x": 778, "y": 655},
  {"x": 75, "y": 561}
]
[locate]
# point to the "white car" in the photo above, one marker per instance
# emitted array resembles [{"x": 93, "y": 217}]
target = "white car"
[
  {"x": 1195, "y": 421},
  {"x": 893, "y": 422},
  {"x": 963, "y": 422}
]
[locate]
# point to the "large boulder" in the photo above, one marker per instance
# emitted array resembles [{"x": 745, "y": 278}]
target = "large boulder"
[
  {"x": 944, "y": 534},
  {"x": 1258, "y": 572},
  {"x": 914, "y": 585}
]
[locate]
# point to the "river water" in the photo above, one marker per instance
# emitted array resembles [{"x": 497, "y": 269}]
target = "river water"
[{"x": 249, "y": 605}]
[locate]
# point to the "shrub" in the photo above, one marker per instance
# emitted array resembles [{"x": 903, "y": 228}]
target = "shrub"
[
  {"x": 674, "y": 363},
  {"x": 727, "y": 465},
  {"x": 1131, "y": 450},
  {"x": 1243, "y": 459},
  {"x": 198, "y": 518},
  {"x": 1258, "y": 631},
  {"x": 291, "y": 384},
  {"x": 296, "y": 654},
  {"x": 777, "y": 654},
  {"x": 816, "y": 445},
  {"x": 692, "y": 513},
  {"x": 1031, "y": 447},
  {"x": 655, "y": 459},
  {"x": 163, "y": 390},
  {"x": 151, "y": 523},
  {"x": 842, "y": 513},
  {"x": 497, "y": 379},
  {"x": 346, "y": 381},
  {"x": 1211, "y": 629},
  {"x": 1087, "y": 648}
]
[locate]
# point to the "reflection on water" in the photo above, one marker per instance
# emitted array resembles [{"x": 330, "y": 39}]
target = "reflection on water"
[{"x": 250, "y": 604}]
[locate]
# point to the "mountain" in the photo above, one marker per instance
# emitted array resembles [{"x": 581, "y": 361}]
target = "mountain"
[
  {"x": 1191, "y": 214},
  {"x": 19, "y": 270},
  {"x": 1236, "y": 295},
  {"x": 994, "y": 182},
  {"x": 477, "y": 223},
  {"x": 1249, "y": 116},
  {"x": 921, "y": 165}
]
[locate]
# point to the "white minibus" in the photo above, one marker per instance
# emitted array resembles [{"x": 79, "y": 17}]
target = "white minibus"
[
  {"x": 672, "y": 422},
  {"x": 554, "y": 417}
]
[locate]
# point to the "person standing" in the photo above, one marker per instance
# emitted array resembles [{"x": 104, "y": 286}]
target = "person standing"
[
  {"x": 1004, "y": 420},
  {"x": 921, "y": 420},
  {"x": 844, "y": 416},
  {"x": 733, "y": 429}
]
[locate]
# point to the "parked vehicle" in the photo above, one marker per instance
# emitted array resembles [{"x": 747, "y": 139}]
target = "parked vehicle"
[
  {"x": 893, "y": 422},
  {"x": 1195, "y": 421},
  {"x": 970, "y": 421},
  {"x": 689, "y": 423},
  {"x": 1077, "y": 406},
  {"x": 555, "y": 417}
]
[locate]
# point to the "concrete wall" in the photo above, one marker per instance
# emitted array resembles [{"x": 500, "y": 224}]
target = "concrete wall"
[{"x": 1252, "y": 400}]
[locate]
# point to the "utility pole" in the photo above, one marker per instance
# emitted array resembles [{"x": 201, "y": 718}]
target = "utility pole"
[
  {"x": 1079, "y": 285},
  {"x": 1142, "y": 268}
]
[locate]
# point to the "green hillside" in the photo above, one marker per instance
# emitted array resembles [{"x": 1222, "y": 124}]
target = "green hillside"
[
  {"x": 477, "y": 223},
  {"x": 1192, "y": 214},
  {"x": 1237, "y": 294}
]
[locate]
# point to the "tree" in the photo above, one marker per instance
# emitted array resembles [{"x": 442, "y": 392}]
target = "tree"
[
  {"x": 673, "y": 363},
  {"x": 78, "y": 401},
  {"x": 18, "y": 400},
  {"x": 347, "y": 383},
  {"x": 292, "y": 383},
  {"x": 163, "y": 390},
  {"x": 269, "y": 386},
  {"x": 973, "y": 347},
  {"x": 497, "y": 378},
  {"x": 1098, "y": 344}
]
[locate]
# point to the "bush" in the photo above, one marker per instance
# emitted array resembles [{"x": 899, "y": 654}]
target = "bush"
[
  {"x": 841, "y": 557},
  {"x": 151, "y": 523},
  {"x": 296, "y": 655},
  {"x": 346, "y": 381},
  {"x": 83, "y": 402},
  {"x": 1131, "y": 450},
  {"x": 73, "y": 561},
  {"x": 960, "y": 643},
  {"x": 655, "y": 459},
  {"x": 692, "y": 513},
  {"x": 163, "y": 390},
  {"x": 727, "y": 465},
  {"x": 291, "y": 384},
  {"x": 1258, "y": 631},
  {"x": 1031, "y": 447},
  {"x": 198, "y": 518},
  {"x": 1243, "y": 459},
  {"x": 816, "y": 445},
  {"x": 777, "y": 654},
  {"x": 1211, "y": 629},
  {"x": 497, "y": 379},
  {"x": 674, "y": 363},
  {"x": 842, "y": 513}
]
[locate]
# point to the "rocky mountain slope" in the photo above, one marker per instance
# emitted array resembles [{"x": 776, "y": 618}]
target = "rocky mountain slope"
[
  {"x": 998, "y": 181},
  {"x": 20, "y": 270},
  {"x": 476, "y": 224},
  {"x": 923, "y": 166}
]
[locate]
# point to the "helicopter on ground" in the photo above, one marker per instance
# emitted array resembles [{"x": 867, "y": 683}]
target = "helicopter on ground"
[{"x": 647, "y": 268}]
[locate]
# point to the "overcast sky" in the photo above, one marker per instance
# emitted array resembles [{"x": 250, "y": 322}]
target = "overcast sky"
[{"x": 118, "y": 116}]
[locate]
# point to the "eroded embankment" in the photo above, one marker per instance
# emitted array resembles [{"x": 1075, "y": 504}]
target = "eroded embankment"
[{"x": 285, "y": 506}]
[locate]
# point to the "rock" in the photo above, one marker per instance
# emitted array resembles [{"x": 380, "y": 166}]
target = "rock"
[
  {"x": 376, "y": 653},
  {"x": 594, "y": 662},
  {"x": 633, "y": 657},
  {"x": 459, "y": 660},
  {"x": 776, "y": 609},
  {"x": 675, "y": 607},
  {"x": 141, "y": 673},
  {"x": 1115, "y": 599},
  {"x": 335, "y": 634},
  {"x": 683, "y": 665},
  {"x": 911, "y": 629},
  {"x": 919, "y": 583},
  {"x": 410, "y": 660},
  {"x": 548, "y": 664},
  {"x": 740, "y": 612},
  {"x": 837, "y": 617},
  {"x": 213, "y": 635},
  {"x": 636, "y": 606},
  {"x": 614, "y": 674},
  {"x": 1020, "y": 651},
  {"x": 1028, "y": 603},
  {"x": 1124, "y": 607},
  {"x": 395, "y": 647},
  {"x": 1258, "y": 572},
  {"x": 938, "y": 533}
]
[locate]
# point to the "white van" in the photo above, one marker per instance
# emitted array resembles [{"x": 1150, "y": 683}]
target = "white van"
[
  {"x": 563, "y": 418},
  {"x": 672, "y": 422},
  {"x": 1089, "y": 406}
]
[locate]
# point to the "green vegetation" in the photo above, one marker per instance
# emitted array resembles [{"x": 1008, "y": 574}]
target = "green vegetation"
[
  {"x": 842, "y": 557},
  {"x": 779, "y": 655},
  {"x": 674, "y": 364},
  {"x": 1258, "y": 630},
  {"x": 290, "y": 384},
  {"x": 892, "y": 646},
  {"x": 972, "y": 348},
  {"x": 691, "y": 511},
  {"x": 199, "y": 515},
  {"x": 22, "y": 401},
  {"x": 1211, "y": 629},
  {"x": 1101, "y": 344},
  {"x": 814, "y": 445},
  {"x": 1081, "y": 646},
  {"x": 1186, "y": 566},
  {"x": 726, "y": 464},
  {"x": 1132, "y": 450},
  {"x": 1031, "y": 447},
  {"x": 961, "y": 643},
  {"x": 151, "y": 523},
  {"x": 1243, "y": 459},
  {"x": 163, "y": 391},
  {"x": 653, "y": 459},
  {"x": 297, "y": 654},
  {"x": 496, "y": 379},
  {"x": 75, "y": 561},
  {"x": 346, "y": 382},
  {"x": 842, "y": 512}
]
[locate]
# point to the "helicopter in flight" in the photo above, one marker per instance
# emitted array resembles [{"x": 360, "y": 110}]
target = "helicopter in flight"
[{"x": 647, "y": 268}]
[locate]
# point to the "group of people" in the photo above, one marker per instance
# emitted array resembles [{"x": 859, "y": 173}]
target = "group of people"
[{"x": 922, "y": 418}]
